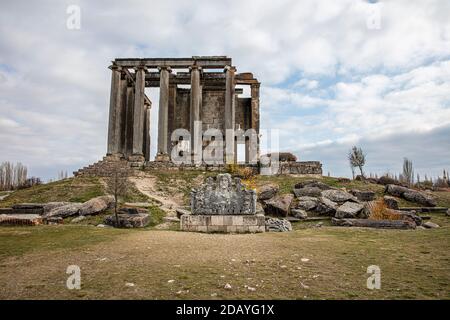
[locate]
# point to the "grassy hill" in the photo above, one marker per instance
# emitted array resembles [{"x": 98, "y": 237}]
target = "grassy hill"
[{"x": 78, "y": 189}]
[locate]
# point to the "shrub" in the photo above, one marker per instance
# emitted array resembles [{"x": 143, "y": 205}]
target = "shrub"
[
  {"x": 241, "y": 172},
  {"x": 379, "y": 211}
]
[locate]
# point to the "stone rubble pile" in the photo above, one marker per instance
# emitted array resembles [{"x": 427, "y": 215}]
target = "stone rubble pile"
[
  {"x": 54, "y": 212},
  {"x": 312, "y": 199}
]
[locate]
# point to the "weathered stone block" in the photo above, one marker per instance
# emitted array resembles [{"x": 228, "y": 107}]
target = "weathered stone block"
[
  {"x": 222, "y": 196},
  {"x": 217, "y": 220},
  {"x": 228, "y": 223}
]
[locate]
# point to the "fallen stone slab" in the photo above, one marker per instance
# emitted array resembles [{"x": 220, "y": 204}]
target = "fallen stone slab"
[
  {"x": 307, "y": 192},
  {"x": 68, "y": 210},
  {"x": 363, "y": 195},
  {"x": 28, "y": 208},
  {"x": 96, "y": 205},
  {"x": 312, "y": 183},
  {"x": 6, "y": 211},
  {"x": 349, "y": 210},
  {"x": 379, "y": 224},
  {"x": 279, "y": 205},
  {"x": 299, "y": 213},
  {"x": 410, "y": 195},
  {"x": 20, "y": 220},
  {"x": 338, "y": 196},
  {"x": 20, "y": 206},
  {"x": 139, "y": 220},
  {"x": 49, "y": 206},
  {"x": 307, "y": 203},
  {"x": 267, "y": 191},
  {"x": 326, "y": 207}
]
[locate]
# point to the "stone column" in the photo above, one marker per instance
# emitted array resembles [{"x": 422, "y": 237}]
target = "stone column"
[
  {"x": 229, "y": 113},
  {"x": 113, "y": 140},
  {"x": 146, "y": 147},
  {"x": 172, "y": 116},
  {"x": 138, "y": 114},
  {"x": 121, "y": 113},
  {"x": 129, "y": 122},
  {"x": 254, "y": 123},
  {"x": 163, "y": 115},
  {"x": 195, "y": 109}
]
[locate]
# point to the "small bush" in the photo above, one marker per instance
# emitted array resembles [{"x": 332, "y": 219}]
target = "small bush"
[
  {"x": 379, "y": 211},
  {"x": 241, "y": 172}
]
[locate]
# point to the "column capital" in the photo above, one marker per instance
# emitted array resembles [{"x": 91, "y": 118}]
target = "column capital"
[
  {"x": 229, "y": 68},
  {"x": 255, "y": 85},
  {"x": 160, "y": 68},
  {"x": 138, "y": 68},
  {"x": 114, "y": 66},
  {"x": 195, "y": 67}
]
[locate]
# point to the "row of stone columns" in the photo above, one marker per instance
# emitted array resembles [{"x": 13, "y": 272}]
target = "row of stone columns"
[{"x": 129, "y": 116}]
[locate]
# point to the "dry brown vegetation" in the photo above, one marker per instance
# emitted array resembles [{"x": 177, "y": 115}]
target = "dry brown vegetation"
[{"x": 379, "y": 211}]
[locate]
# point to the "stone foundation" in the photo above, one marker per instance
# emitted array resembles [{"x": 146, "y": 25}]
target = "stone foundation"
[
  {"x": 104, "y": 167},
  {"x": 223, "y": 223},
  {"x": 301, "y": 167}
]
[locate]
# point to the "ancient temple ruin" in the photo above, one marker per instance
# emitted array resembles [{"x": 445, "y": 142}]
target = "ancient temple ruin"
[
  {"x": 190, "y": 89},
  {"x": 196, "y": 95}
]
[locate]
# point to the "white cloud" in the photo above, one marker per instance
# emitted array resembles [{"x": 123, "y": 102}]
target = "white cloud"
[{"x": 346, "y": 80}]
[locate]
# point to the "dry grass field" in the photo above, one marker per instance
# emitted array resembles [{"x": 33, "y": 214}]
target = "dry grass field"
[{"x": 308, "y": 263}]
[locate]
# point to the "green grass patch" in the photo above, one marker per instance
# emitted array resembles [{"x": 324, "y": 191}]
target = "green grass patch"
[
  {"x": 157, "y": 215},
  {"x": 78, "y": 189},
  {"x": 287, "y": 182},
  {"x": 182, "y": 181},
  {"x": 20, "y": 240},
  {"x": 134, "y": 195},
  {"x": 72, "y": 190}
]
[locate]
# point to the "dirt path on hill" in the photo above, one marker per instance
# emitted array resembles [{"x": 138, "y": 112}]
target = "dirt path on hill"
[{"x": 146, "y": 184}]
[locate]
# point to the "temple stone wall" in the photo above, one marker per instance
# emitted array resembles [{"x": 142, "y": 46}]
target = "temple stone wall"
[
  {"x": 243, "y": 113},
  {"x": 182, "y": 108},
  {"x": 212, "y": 113},
  {"x": 301, "y": 167}
]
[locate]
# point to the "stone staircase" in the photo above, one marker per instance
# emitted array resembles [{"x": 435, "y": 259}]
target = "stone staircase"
[{"x": 107, "y": 165}]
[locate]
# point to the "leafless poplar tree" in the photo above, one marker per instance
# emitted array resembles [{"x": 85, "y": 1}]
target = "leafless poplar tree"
[
  {"x": 357, "y": 159},
  {"x": 408, "y": 172}
]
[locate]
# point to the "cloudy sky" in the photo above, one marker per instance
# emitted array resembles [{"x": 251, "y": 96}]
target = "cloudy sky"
[{"x": 334, "y": 74}]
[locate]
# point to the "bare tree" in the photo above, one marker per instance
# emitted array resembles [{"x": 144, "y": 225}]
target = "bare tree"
[
  {"x": 353, "y": 171},
  {"x": 12, "y": 176},
  {"x": 408, "y": 172},
  {"x": 117, "y": 185},
  {"x": 357, "y": 159}
]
